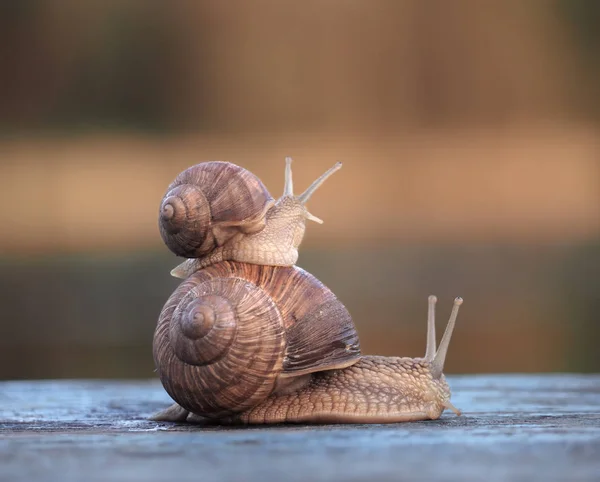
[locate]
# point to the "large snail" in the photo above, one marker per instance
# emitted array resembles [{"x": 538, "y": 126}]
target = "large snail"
[{"x": 248, "y": 337}]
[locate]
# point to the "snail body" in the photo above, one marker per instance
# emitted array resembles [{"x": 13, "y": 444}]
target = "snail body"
[{"x": 250, "y": 338}]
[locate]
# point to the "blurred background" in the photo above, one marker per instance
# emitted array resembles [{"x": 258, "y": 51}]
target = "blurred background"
[{"x": 468, "y": 132}]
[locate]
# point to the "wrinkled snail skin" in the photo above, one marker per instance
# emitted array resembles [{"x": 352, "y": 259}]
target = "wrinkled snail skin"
[
  {"x": 374, "y": 390},
  {"x": 276, "y": 243}
]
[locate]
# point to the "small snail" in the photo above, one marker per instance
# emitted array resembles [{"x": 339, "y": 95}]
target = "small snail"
[
  {"x": 217, "y": 211},
  {"x": 256, "y": 343}
]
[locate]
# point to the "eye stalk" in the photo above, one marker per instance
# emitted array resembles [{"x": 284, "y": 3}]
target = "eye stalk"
[
  {"x": 288, "y": 188},
  {"x": 438, "y": 357}
]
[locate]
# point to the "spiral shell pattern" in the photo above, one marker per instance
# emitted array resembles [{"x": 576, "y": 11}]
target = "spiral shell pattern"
[
  {"x": 206, "y": 197},
  {"x": 225, "y": 338},
  {"x": 203, "y": 327},
  {"x": 185, "y": 220}
]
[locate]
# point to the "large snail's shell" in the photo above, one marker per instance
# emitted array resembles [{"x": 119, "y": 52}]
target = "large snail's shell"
[
  {"x": 209, "y": 203},
  {"x": 230, "y": 330}
]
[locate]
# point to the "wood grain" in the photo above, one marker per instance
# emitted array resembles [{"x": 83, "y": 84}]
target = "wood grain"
[{"x": 544, "y": 427}]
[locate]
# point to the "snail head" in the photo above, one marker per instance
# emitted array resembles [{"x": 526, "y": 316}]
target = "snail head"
[{"x": 296, "y": 205}]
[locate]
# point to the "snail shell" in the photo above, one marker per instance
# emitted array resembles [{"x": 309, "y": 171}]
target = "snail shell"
[
  {"x": 232, "y": 331},
  {"x": 208, "y": 204}
]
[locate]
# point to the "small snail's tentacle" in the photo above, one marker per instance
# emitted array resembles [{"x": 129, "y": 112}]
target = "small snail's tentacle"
[
  {"x": 305, "y": 196},
  {"x": 288, "y": 187},
  {"x": 430, "y": 350},
  {"x": 437, "y": 365},
  {"x": 312, "y": 217}
]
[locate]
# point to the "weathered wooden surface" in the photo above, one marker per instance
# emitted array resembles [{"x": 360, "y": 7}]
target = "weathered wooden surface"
[{"x": 514, "y": 428}]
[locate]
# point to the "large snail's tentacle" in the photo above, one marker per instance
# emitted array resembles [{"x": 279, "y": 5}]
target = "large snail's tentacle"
[
  {"x": 430, "y": 347},
  {"x": 437, "y": 365}
]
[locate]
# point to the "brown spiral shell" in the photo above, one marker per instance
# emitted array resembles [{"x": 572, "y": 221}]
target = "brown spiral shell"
[
  {"x": 229, "y": 331},
  {"x": 209, "y": 203}
]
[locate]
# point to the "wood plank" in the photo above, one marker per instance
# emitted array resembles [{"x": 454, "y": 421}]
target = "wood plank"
[{"x": 527, "y": 427}]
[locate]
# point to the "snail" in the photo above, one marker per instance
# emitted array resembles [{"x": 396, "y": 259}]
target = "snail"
[
  {"x": 256, "y": 343},
  {"x": 218, "y": 211}
]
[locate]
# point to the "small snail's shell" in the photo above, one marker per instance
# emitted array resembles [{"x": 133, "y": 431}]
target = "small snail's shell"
[
  {"x": 229, "y": 331},
  {"x": 207, "y": 204}
]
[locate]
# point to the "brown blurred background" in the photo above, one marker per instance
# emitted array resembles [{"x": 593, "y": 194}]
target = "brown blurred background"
[{"x": 468, "y": 131}]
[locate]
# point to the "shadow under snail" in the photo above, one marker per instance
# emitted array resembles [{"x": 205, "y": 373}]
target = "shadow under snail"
[{"x": 248, "y": 337}]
